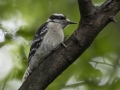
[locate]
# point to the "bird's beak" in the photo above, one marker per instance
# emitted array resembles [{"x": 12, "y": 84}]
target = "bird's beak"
[{"x": 70, "y": 22}]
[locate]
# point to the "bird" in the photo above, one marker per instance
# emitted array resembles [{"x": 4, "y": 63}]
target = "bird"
[{"x": 46, "y": 39}]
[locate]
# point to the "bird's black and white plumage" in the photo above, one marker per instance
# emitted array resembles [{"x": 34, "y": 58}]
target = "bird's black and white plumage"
[
  {"x": 37, "y": 40},
  {"x": 46, "y": 39}
]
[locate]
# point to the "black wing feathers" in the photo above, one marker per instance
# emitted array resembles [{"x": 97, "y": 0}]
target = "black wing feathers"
[{"x": 37, "y": 40}]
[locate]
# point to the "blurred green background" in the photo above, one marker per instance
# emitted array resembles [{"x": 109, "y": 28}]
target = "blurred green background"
[{"x": 97, "y": 69}]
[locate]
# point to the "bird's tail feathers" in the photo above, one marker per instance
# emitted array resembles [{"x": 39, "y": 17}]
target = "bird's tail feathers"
[{"x": 26, "y": 74}]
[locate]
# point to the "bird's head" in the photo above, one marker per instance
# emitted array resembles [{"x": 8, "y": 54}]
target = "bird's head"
[{"x": 61, "y": 19}]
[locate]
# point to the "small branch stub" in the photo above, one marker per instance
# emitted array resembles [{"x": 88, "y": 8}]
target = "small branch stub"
[{"x": 112, "y": 18}]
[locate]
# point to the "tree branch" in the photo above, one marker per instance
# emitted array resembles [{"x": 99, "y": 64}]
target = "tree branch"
[
  {"x": 93, "y": 20},
  {"x": 86, "y": 8}
]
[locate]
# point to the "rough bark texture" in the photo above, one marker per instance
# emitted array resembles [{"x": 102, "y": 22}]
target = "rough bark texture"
[{"x": 93, "y": 20}]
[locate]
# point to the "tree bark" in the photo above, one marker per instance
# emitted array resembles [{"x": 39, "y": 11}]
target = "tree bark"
[{"x": 93, "y": 20}]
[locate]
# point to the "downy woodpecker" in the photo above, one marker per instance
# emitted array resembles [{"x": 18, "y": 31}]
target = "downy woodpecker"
[{"x": 47, "y": 38}]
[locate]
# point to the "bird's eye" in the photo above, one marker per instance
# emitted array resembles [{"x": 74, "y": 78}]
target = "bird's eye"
[{"x": 62, "y": 18}]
